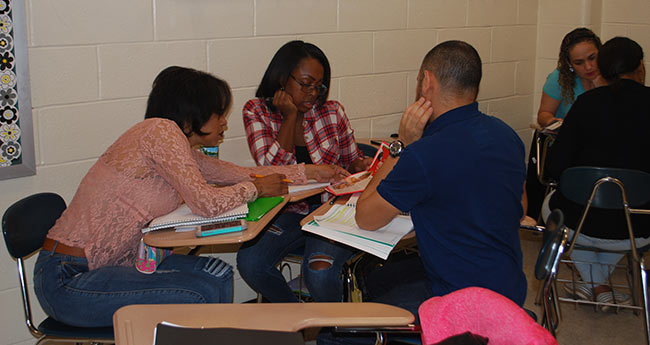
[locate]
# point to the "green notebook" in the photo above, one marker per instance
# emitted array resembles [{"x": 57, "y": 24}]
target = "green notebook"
[{"x": 259, "y": 207}]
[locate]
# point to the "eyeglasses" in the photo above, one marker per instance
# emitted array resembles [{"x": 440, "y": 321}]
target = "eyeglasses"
[{"x": 308, "y": 88}]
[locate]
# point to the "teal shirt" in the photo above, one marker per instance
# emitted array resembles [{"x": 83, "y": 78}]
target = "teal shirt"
[{"x": 552, "y": 88}]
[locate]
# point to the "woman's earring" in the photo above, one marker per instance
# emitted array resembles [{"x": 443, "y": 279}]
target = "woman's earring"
[{"x": 571, "y": 69}]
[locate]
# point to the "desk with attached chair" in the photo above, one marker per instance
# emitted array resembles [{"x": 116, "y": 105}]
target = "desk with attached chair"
[{"x": 135, "y": 324}]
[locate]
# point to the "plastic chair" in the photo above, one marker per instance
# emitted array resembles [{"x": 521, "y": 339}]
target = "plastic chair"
[
  {"x": 610, "y": 188},
  {"x": 24, "y": 227}
]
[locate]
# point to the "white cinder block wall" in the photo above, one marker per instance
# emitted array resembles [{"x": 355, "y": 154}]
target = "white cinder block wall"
[{"x": 92, "y": 64}]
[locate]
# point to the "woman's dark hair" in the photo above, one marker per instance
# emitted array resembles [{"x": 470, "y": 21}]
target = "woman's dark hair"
[
  {"x": 188, "y": 97},
  {"x": 567, "y": 77},
  {"x": 285, "y": 61},
  {"x": 619, "y": 56}
]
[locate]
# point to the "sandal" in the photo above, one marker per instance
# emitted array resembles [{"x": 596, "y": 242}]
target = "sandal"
[
  {"x": 579, "y": 290},
  {"x": 613, "y": 297}
]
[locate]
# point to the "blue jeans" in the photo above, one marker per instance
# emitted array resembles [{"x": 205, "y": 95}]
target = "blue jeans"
[
  {"x": 257, "y": 260},
  {"x": 70, "y": 293}
]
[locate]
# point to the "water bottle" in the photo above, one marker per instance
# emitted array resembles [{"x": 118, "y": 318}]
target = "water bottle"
[{"x": 210, "y": 151}]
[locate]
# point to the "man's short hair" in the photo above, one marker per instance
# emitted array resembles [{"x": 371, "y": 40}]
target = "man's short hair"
[{"x": 456, "y": 65}]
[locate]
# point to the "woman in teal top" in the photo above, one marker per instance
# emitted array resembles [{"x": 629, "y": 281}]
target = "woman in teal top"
[{"x": 577, "y": 71}]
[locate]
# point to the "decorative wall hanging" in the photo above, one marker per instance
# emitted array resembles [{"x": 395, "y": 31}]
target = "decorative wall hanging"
[{"x": 16, "y": 131}]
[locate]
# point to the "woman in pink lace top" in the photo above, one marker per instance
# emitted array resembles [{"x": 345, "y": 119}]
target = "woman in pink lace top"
[{"x": 86, "y": 268}]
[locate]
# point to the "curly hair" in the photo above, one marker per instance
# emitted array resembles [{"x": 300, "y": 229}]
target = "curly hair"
[{"x": 567, "y": 77}]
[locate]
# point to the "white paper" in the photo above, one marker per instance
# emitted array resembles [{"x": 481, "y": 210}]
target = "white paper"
[{"x": 338, "y": 224}]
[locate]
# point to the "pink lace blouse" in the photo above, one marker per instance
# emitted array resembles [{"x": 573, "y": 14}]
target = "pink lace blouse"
[{"x": 148, "y": 172}]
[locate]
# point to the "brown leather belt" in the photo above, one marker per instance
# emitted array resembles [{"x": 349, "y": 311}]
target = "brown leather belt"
[{"x": 62, "y": 248}]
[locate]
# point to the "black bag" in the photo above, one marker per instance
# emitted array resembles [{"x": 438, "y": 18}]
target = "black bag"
[{"x": 373, "y": 276}]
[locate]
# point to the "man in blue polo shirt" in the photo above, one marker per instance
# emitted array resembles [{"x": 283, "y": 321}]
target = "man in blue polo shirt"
[{"x": 460, "y": 173}]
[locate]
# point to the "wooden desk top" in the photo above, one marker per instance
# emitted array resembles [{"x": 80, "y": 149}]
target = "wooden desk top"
[
  {"x": 171, "y": 238},
  {"x": 135, "y": 324}
]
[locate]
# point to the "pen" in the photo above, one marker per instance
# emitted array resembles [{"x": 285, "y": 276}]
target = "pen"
[
  {"x": 333, "y": 199},
  {"x": 283, "y": 180}
]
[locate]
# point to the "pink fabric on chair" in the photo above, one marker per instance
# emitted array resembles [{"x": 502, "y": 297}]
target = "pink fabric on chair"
[{"x": 483, "y": 312}]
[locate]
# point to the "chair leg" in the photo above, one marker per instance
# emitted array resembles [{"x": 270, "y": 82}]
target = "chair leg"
[
  {"x": 644, "y": 287},
  {"x": 636, "y": 282}
]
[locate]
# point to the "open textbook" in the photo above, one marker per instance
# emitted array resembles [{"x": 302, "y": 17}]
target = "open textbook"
[
  {"x": 338, "y": 224},
  {"x": 359, "y": 181}
]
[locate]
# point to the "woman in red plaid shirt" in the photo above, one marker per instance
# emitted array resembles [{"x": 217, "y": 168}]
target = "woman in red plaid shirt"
[{"x": 291, "y": 121}]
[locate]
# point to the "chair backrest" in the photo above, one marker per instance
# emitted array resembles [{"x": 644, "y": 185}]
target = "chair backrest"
[
  {"x": 554, "y": 234},
  {"x": 26, "y": 223},
  {"x": 577, "y": 184}
]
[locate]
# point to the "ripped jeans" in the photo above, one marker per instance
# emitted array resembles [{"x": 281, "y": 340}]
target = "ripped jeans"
[
  {"x": 257, "y": 260},
  {"x": 70, "y": 293}
]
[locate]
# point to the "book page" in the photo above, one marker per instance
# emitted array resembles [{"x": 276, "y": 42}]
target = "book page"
[{"x": 338, "y": 224}]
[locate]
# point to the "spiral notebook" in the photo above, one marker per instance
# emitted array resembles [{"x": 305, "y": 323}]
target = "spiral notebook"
[{"x": 183, "y": 219}]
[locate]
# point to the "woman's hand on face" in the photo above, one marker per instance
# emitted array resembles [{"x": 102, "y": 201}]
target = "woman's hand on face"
[
  {"x": 325, "y": 172},
  {"x": 599, "y": 81},
  {"x": 360, "y": 164},
  {"x": 284, "y": 102},
  {"x": 270, "y": 185}
]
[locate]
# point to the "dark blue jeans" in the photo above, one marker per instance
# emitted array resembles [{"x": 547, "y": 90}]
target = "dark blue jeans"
[
  {"x": 70, "y": 293},
  {"x": 257, "y": 260}
]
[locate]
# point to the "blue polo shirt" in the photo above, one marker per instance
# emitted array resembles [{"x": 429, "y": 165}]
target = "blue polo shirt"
[{"x": 462, "y": 182}]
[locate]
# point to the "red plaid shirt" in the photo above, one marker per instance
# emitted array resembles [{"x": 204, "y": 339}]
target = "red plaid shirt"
[
  {"x": 327, "y": 132},
  {"x": 328, "y": 136}
]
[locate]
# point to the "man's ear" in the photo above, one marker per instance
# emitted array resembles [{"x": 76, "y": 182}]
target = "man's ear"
[{"x": 429, "y": 82}]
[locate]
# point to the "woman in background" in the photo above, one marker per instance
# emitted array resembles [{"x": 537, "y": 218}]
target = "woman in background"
[
  {"x": 576, "y": 72},
  {"x": 291, "y": 121},
  {"x": 86, "y": 270}
]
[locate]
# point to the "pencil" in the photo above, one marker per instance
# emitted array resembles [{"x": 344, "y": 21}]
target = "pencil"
[{"x": 283, "y": 180}]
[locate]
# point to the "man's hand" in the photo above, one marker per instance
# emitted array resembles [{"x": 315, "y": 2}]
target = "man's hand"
[
  {"x": 415, "y": 118},
  {"x": 325, "y": 172},
  {"x": 270, "y": 185}
]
